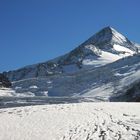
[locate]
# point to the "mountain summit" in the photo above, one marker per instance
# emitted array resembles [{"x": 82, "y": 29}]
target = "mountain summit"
[
  {"x": 104, "y": 47},
  {"x": 105, "y": 67},
  {"x": 108, "y": 37}
]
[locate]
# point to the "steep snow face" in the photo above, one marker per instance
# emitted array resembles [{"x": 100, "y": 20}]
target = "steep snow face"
[
  {"x": 103, "y": 57},
  {"x": 117, "y": 36},
  {"x": 122, "y": 49}
]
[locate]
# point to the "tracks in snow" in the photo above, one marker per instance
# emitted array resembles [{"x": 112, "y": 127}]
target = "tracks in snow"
[
  {"x": 104, "y": 126},
  {"x": 83, "y": 121}
]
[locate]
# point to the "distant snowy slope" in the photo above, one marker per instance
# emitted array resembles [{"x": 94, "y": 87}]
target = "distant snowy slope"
[
  {"x": 103, "y": 83},
  {"x": 6, "y": 92}
]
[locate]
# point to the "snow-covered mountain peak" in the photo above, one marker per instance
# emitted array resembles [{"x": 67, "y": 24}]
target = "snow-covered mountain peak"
[
  {"x": 104, "y": 47},
  {"x": 107, "y": 36}
]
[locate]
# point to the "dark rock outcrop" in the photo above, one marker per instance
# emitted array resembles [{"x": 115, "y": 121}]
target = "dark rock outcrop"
[{"x": 4, "y": 82}]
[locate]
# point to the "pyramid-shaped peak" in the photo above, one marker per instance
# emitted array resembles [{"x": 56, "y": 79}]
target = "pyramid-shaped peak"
[
  {"x": 107, "y": 35},
  {"x": 109, "y": 30},
  {"x": 113, "y": 32}
]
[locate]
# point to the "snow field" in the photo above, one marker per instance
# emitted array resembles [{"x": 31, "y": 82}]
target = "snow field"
[{"x": 81, "y": 121}]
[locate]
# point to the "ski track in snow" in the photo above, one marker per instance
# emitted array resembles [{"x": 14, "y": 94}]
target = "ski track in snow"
[{"x": 81, "y": 121}]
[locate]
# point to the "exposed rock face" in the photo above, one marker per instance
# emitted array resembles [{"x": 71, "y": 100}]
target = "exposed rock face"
[
  {"x": 133, "y": 93},
  {"x": 4, "y": 82}
]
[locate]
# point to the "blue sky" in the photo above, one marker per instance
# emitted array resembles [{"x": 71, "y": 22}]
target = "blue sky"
[{"x": 33, "y": 31}]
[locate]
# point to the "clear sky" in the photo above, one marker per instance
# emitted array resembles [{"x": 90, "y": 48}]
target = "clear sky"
[{"x": 33, "y": 31}]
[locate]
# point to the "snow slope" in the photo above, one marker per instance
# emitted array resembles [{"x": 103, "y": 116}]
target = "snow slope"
[
  {"x": 83, "y": 121},
  {"x": 9, "y": 92},
  {"x": 103, "y": 83},
  {"x": 6, "y": 92}
]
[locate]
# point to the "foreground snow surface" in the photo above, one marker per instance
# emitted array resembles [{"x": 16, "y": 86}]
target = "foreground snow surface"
[{"x": 80, "y": 121}]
